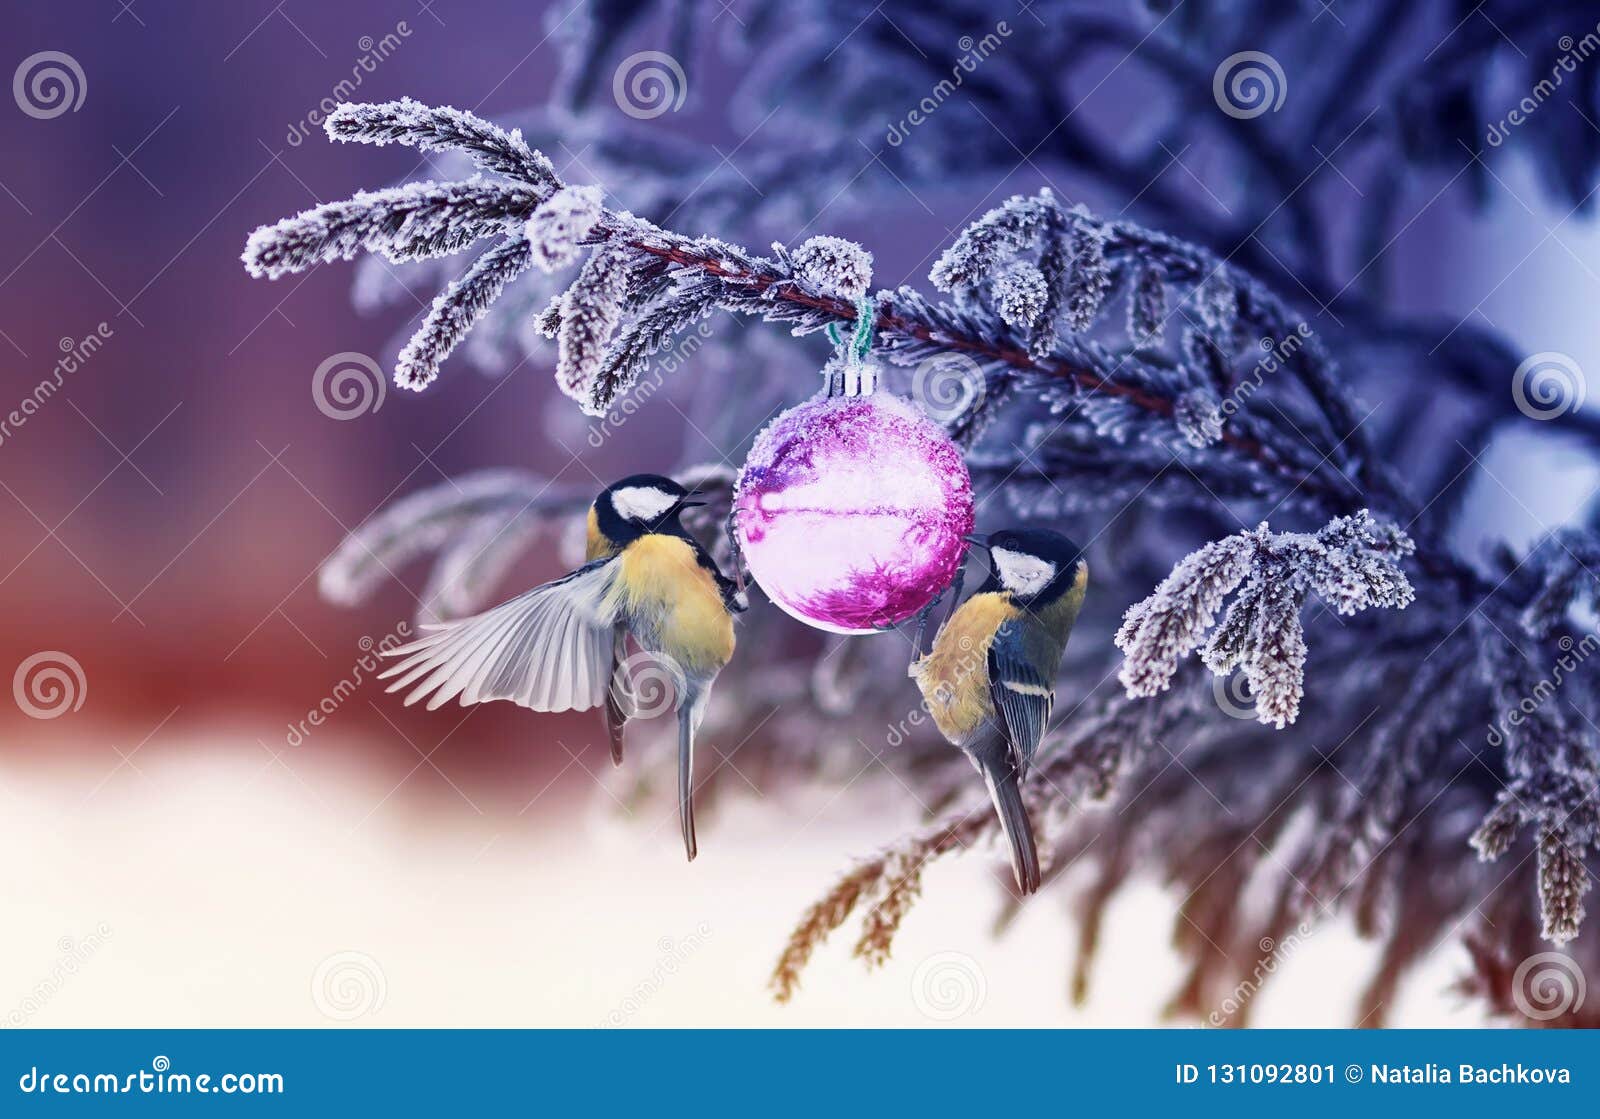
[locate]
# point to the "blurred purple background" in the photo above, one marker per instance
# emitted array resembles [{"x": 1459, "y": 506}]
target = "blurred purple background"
[
  {"x": 166, "y": 510},
  {"x": 167, "y": 507}
]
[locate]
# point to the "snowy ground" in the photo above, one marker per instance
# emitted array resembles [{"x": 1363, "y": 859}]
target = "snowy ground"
[{"x": 215, "y": 887}]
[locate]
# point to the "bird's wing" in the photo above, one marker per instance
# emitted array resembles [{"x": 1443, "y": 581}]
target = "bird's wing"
[
  {"x": 549, "y": 649},
  {"x": 1021, "y": 694}
]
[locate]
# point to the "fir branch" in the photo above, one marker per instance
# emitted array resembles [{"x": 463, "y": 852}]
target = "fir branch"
[
  {"x": 561, "y": 223},
  {"x": 457, "y": 309},
  {"x": 894, "y": 875},
  {"x": 443, "y": 129},
  {"x": 412, "y": 222},
  {"x": 590, "y": 312},
  {"x": 1352, "y": 563},
  {"x": 445, "y": 218}
]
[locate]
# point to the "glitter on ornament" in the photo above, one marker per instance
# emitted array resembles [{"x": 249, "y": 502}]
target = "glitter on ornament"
[{"x": 851, "y": 510}]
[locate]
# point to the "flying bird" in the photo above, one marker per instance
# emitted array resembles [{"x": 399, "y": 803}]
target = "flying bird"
[
  {"x": 564, "y": 646},
  {"x": 989, "y": 680}
]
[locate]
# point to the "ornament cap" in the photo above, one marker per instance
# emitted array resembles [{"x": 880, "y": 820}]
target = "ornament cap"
[
  {"x": 842, "y": 377},
  {"x": 850, "y": 373}
]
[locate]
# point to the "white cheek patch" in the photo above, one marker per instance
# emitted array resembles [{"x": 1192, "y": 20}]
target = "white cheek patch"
[
  {"x": 1021, "y": 573},
  {"x": 642, "y": 503}
]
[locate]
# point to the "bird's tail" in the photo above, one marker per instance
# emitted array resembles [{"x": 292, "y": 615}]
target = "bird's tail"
[
  {"x": 1000, "y": 774},
  {"x": 616, "y": 720},
  {"x": 619, "y": 705},
  {"x": 690, "y": 710}
]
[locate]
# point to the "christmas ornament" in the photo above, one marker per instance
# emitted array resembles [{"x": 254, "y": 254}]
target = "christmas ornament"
[{"x": 851, "y": 508}]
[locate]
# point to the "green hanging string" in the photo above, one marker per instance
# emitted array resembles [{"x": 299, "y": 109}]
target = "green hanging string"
[
  {"x": 861, "y": 337},
  {"x": 866, "y": 320},
  {"x": 855, "y": 355}
]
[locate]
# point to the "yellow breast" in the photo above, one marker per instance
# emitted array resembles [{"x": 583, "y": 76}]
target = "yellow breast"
[
  {"x": 663, "y": 583},
  {"x": 954, "y": 676},
  {"x": 596, "y": 546}
]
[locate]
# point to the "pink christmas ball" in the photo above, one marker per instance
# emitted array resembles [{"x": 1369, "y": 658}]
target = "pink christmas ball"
[{"x": 851, "y": 510}]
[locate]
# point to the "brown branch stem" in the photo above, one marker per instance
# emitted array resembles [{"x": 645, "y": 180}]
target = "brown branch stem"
[{"x": 1013, "y": 356}]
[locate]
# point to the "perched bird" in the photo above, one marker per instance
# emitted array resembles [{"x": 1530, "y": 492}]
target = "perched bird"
[
  {"x": 989, "y": 680},
  {"x": 564, "y": 646}
]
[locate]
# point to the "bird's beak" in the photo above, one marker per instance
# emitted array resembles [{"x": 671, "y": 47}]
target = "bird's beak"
[
  {"x": 975, "y": 540},
  {"x": 691, "y": 504}
]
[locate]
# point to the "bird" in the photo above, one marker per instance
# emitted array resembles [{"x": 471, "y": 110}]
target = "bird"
[
  {"x": 989, "y": 679},
  {"x": 564, "y": 646}
]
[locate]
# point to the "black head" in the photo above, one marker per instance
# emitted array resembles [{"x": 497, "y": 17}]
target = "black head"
[
  {"x": 640, "y": 504},
  {"x": 1034, "y": 564}
]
